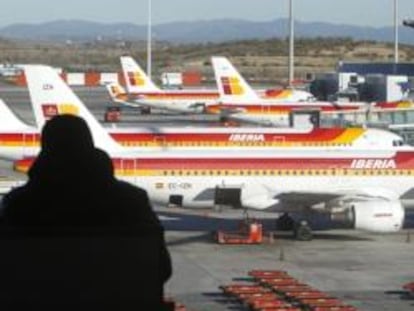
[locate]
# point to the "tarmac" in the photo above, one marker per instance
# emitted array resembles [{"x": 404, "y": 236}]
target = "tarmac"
[{"x": 363, "y": 269}]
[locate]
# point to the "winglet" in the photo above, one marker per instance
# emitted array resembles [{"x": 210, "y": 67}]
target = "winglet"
[
  {"x": 51, "y": 96},
  {"x": 231, "y": 85},
  {"x": 135, "y": 78}
]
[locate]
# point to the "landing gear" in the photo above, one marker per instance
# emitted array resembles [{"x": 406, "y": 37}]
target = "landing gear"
[{"x": 303, "y": 231}]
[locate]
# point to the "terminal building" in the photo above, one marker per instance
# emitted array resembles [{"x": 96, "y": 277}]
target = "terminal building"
[{"x": 370, "y": 82}]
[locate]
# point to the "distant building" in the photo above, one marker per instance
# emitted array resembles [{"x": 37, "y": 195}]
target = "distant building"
[
  {"x": 408, "y": 23},
  {"x": 10, "y": 70},
  {"x": 363, "y": 69}
]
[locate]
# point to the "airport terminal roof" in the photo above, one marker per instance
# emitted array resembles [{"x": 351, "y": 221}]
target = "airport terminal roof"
[{"x": 405, "y": 69}]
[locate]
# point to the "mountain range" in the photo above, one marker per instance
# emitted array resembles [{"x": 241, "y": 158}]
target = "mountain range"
[{"x": 197, "y": 31}]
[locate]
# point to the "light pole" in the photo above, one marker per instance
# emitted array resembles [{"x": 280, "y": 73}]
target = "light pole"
[
  {"x": 291, "y": 44},
  {"x": 396, "y": 52},
  {"x": 149, "y": 37}
]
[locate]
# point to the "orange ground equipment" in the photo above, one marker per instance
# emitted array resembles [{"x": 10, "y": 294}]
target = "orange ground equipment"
[
  {"x": 321, "y": 302},
  {"x": 238, "y": 289},
  {"x": 113, "y": 114},
  {"x": 267, "y": 304},
  {"x": 276, "y": 290},
  {"x": 250, "y": 232},
  {"x": 267, "y": 274}
]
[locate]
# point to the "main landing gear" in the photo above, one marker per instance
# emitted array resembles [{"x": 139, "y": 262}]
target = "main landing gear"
[{"x": 301, "y": 229}]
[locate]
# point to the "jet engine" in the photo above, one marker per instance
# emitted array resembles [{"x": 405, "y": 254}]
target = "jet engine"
[{"x": 375, "y": 216}]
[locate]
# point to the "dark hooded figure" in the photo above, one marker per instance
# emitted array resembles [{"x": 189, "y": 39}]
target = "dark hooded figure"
[{"x": 72, "y": 184}]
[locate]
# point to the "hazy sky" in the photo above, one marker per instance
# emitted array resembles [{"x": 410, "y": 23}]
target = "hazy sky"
[{"x": 361, "y": 12}]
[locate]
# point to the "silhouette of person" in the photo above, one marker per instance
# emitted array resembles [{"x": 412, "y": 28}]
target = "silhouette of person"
[{"x": 71, "y": 184}]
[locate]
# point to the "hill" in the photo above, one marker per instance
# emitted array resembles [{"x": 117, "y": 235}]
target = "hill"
[
  {"x": 196, "y": 31},
  {"x": 259, "y": 60}
]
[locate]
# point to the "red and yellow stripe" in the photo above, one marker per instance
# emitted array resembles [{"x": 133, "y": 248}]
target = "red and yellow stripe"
[
  {"x": 400, "y": 164},
  {"x": 316, "y": 137},
  {"x": 394, "y": 105},
  {"x": 267, "y": 109}
]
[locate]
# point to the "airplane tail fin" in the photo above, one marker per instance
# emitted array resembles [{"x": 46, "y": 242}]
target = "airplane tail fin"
[
  {"x": 51, "y": 96},
  {"x": 8, "y": 120},
  {"x": 232, "y": 86},
  {"x": 136, "y": 79},
  {"x": 117, "y": 92}
]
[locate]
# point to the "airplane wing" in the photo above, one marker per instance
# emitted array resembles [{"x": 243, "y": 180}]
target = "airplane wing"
[
  {"x": 376, "y": 210},
  {"x": 232, "y": 111},
  {"x": 344, "y": 196},
  {"x": 241, "y": 117},
  {"x": 119, "y": 95},
  {"x": 174, "y": 106},
  {"x": 405, "y": 126},
  {"x": 285, "y": 201}
]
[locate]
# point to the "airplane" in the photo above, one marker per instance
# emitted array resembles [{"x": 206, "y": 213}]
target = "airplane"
[
  {"x": 364, "y": 189},
  {"x": 142, "y": 92},
  {"x": 19, "y": 140},
  {"x": 238, "y": 101}
]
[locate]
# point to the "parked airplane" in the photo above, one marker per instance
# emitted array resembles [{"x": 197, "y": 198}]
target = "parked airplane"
[
  {"x": 363, "y": 190},
  {"x": 239, "y": 102},
  {"x": 144, "y": 92},
  {"x": 18, "y": 140}
]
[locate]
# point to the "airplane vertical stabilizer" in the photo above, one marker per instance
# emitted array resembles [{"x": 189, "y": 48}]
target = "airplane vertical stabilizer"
[
  {"x": 232, "y": 86},
  {"x": 8, "y": 120},
  {"x": 51, "y": 96},
  {"x": 136, "y": 79}
]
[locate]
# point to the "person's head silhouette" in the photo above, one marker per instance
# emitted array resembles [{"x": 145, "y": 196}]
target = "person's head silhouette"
[
  {"x": 66, "y": 134},
  {"x": 67, "y": 149}
]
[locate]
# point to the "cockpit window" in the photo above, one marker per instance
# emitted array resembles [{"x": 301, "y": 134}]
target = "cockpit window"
[{"x": 398, "y": 142}]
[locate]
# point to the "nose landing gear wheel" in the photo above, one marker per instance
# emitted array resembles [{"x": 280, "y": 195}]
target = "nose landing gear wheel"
[{"x": 303, "y": 231}]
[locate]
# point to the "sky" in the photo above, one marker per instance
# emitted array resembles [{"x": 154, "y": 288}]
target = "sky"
[{"x": 376, "y": 13}]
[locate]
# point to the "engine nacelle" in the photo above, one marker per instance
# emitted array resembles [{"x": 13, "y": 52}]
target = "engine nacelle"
[{"x": 375, "y": 216}]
